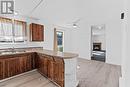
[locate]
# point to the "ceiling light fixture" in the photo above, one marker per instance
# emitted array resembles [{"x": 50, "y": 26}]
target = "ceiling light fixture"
[{"x": 75, "y": 25}]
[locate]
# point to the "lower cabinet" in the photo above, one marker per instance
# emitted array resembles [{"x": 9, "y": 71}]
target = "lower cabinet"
[
  {"x": 11, "y": 65},
  {"x": 59, "y": 71},
  {"x": 52, "y": 68},
  {"x": 2, "y": 70},
  {"x": 49, "y": 66},
  {"x": 45, "y": 65}
]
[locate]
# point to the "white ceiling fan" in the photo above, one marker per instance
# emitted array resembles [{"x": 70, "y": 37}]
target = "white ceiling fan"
[{"x": 74, "y": 24}]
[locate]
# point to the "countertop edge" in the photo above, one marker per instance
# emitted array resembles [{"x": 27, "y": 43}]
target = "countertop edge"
[{"x": 64, "y": 55}]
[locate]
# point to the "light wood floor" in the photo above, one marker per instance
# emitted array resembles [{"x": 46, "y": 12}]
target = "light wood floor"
[
  {"x": 98, "y": 74},
  {"x": 33, "y": 79},
  {"x": 90, "y": 74}
]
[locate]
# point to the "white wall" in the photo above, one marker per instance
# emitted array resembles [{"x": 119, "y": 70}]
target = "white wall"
[
  {"x": 126, "y": 57},
  {"x": 114, "y": 41},
  {"x": 97, "y": 12},
  {"x": 49, "y": 36},
  {"x": 124, "y": 81}
]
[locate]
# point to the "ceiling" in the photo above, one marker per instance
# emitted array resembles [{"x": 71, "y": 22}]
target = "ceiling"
[
  {"x": 49, "y": 9},
  {"x": 25, "y": 6},
  {"x": 67, "y": 11}
]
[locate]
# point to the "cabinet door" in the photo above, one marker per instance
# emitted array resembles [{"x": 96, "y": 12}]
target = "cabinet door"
[
  {"x": 1, "y": 69},
  {"x": 50, "y": 68},
  {"x": 40, "y": 29},
  {"x": 43, "y": 63},
  {"x": 59, "y": 71},
  {"x": 14, "y": 65},
  {"x": 26, "y": 63},
  {"x": 37, "y": 32},
  {"x": 33, "y": 61},
  {"x": 34, "y": 32},
  {"x": 46, "y": 66},
  {"x": 11, "y": 67},
  {"x": 40, "y": 64}
]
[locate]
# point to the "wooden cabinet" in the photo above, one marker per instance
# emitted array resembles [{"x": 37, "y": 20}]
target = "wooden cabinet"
[
  {"x": 36, "y": 32},
  {"x": 52, "y": 68},
  {"x": 59, "y": 71},
  {"x": 11, "y": 65},
  {"x": 2, "y": 70},
  {"x": 49, "y": 66},
  {"x": 45, "y": 65}
]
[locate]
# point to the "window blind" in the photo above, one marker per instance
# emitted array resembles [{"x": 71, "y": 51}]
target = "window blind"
[
  {"x": 19, "y": 31},
  {"x": 12, "y": 30},
  {"x": 6, "y": 32}
]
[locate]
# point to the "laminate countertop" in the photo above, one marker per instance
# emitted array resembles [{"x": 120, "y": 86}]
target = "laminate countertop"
[{"x": 64, "y": 55}]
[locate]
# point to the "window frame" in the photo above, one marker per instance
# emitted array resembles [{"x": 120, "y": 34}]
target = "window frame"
[
  {"x": 13, "y": 33},
  {"x": 58, "y": 30}
]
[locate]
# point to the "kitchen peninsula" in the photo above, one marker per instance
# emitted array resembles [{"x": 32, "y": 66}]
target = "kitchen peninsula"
[{"x": 58, "y": 67}]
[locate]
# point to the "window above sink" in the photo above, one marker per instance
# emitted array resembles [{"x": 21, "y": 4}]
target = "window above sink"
[{"x": 12, "y": 31}]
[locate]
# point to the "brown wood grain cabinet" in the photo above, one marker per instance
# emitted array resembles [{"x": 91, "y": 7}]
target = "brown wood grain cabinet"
[
  {"x": 2, "y": 69},
  {"x": 52, "y": 68},
  {"x": 36, "y": 32},
  {"x": 46, "y": 65},
  {"x": 59, "y": 71},
  {"x": 49, "y": 66},
  {"x": 11, "y": 65}
]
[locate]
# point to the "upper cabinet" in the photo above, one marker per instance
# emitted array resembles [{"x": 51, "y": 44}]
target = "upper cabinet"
[{"x": 36, "y": 32}]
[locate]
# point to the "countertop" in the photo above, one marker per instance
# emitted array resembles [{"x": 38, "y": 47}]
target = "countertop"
[{"x": 64, "y": 55}]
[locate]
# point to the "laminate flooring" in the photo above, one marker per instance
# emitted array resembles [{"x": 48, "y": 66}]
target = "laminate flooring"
[
  {"x": 97, "y": 74},
  {"x": 32, "y": 79}
]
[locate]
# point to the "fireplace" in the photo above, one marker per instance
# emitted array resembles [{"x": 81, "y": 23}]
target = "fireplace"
[{"x": 96, "y": 46}]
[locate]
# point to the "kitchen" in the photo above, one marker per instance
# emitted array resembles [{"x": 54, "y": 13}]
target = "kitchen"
[
  {"x": 15, "y": 61},
  {"x": 40, "y": 40}
]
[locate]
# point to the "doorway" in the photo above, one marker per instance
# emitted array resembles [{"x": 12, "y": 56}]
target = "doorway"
[
  {"x": 98, "y": 43},
  {"x": 60, "y": 40}
]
